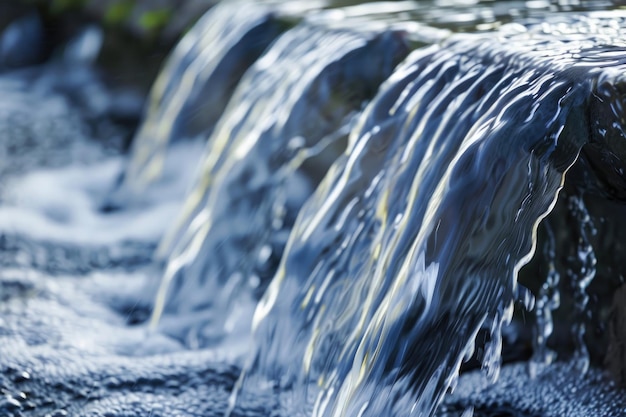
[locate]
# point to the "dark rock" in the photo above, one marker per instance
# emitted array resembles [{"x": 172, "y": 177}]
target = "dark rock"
[
  {"x": 615, "y": 361},
  {"x": 22, "y": 43},
  {"x": 145, "y": 19}
]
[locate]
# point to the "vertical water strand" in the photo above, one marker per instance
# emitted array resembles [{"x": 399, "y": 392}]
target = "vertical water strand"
[
  {"x": 548, "y": 300},
  {"x": 492, "y": 358},
  {"x": 581, "y": 274}
]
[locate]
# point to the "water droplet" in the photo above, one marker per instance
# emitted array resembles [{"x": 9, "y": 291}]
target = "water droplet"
[
  {"x": 22, "y": 377},
  {"x": 525, "y": 297},
  {"x": 9, "y": 404}
]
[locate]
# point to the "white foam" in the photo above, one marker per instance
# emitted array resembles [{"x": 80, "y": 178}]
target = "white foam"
[{"x": 63, "y": 205}]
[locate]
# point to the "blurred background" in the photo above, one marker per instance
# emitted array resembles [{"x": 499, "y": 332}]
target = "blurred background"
[{"x": 137, "y": 34}]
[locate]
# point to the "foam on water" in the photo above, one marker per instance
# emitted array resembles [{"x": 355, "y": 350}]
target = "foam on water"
[{"x": 64, "y": 205}]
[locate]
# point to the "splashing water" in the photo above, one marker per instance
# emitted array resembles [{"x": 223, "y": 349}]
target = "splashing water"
[{"x": 364, "y": 208}]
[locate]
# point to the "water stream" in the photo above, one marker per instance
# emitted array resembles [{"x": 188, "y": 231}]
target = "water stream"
[
  {"x": 325, "y": 211},
  {"x": 255, "y": 175}
]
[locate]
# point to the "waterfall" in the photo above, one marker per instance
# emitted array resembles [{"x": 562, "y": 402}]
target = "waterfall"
[
  {"x": 365, "y": 194},
  {"x": 294, "y": 106},
  {"x": 400, "y": 257},
  {"x": 193, "y": 88}
]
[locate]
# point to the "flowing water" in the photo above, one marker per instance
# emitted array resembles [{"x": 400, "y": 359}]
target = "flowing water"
[
  {"x": 194, "y": 87},
  {"x": 256, "y": 173},
  {"x": 326, "y": 211}
]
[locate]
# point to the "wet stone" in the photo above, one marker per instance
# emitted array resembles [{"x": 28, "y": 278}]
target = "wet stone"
[{"x": 616, "y": 353}]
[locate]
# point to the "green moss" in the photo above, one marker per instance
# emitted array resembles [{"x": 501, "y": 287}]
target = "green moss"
[
  {"x": 155, "y": 20},
  {"x": 119, "y": 12},
  {"x": 58, "y": 6}
]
